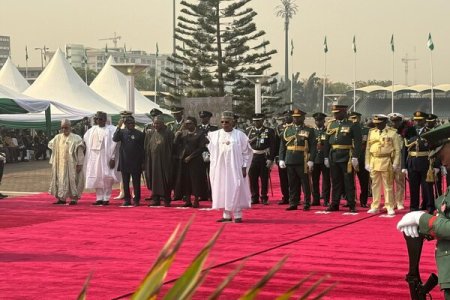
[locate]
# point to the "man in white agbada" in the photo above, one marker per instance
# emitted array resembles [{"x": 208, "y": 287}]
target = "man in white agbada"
[
  {"x": 230, "y": 159},
  {"x": 67, "y": 163},
  {"x": 100, "y": 160}
]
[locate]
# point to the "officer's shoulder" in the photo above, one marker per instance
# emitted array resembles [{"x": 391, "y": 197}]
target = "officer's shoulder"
[
  {"x": 392, "y": 129},
  {"x": 372, "y": 129},
  {"x": 170, "y": 123}
]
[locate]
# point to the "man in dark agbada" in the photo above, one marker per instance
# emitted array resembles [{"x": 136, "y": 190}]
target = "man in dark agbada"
[{"x": 437, "y": 226}]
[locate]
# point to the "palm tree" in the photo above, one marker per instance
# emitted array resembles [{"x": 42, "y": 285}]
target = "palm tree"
[{"x": 287, "y": 9}]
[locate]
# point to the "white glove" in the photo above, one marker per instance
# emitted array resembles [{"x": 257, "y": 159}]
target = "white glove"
[
  {"x": 410, "y": 219},
  {"x": 444, "y": 171},
  {"x": 411, "y": 230},
  {"x": 282, "y": 164},
  {"x": 395, "y": 167},
  {"x": 326, "y": 162},
  {"x": 269, "y": 164},
  {"x": 405, "y": 171},
  {"x": 310, "y": 165},
  {"x": 355, "y": 162},
  {"x": 436, "y": 170},
  {"x": 368, "y": 168}
]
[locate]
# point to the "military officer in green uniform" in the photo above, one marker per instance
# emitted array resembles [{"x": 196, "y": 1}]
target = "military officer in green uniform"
[
  {"x": 320, "y": 132},
  {"x": 437, "y": 226},
  {"x": 286, "y": 119},
  {"x": 342, "y": 152},
  {"x": 262, "y": 141},
  {"x": 363, "y": 174},
  {"x": 297, "y": 154}
]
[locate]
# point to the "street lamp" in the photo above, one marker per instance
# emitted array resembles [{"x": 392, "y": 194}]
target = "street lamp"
[
  {"x": 257, "y": 80},
  {"x": 130, "y": 70}
]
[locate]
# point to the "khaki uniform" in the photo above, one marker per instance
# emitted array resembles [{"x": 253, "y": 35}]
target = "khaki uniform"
[{"x": 382, "y": 153}]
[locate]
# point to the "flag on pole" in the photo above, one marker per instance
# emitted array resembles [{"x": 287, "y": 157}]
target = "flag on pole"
[
  {"x": 354, "y": 44},
  {"x": 157, "y": 50},
  {"x": 430, "y": 44},
  {"x": 124, "y": 51},
  {"x": 106, "y": 49},
  {"x": 392, "y": 43},
  {"x": 292, "y": 47},
  {"x": 325, "y": 45},
  {"x": 26, "y": 53},
  {"x": 85, "y": 57},
  {"x": 45, "y": 54}
]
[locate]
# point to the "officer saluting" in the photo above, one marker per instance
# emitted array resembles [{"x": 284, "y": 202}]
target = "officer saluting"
[
  {"x": 297, "y": 154},
  {"x": 344, "y": 140},
  {"x": 262, "y": 141},
  {"x": 319, "y": 165}
]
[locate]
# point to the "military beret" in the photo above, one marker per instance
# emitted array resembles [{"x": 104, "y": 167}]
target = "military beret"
[
  {"x": 155, "y": 112},
  {"x": 257, "y": 117},
  {"x": 396, "y": 116},
  {"x": 339, "y": 107},
  {"x": 298, "y": 112},
  {"x": 205, "y": 114},
  {"x": 379, "y": 118},
  {"x": 437, "y": 137},
  {"x": 319, "y": 116},
  {"x": 176, "y": 109},
  {"x": 354, "y": 114},
  {"x": 419, "y": 115}
]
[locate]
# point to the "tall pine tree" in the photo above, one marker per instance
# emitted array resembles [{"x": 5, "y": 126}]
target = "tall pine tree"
[{"x": 217, "y": 43}]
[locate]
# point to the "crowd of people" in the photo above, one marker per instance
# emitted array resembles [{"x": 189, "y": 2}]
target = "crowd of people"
[{"x": 190, "y": 161}]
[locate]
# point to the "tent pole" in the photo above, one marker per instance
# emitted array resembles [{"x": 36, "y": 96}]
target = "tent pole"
[{"x": 48, "y": 122}]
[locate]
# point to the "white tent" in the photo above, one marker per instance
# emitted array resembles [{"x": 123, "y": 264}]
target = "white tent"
[
  {"x": 59, "y": 82},
  {"x": 11, "y": 77},
  {"x": 112, "y": 85}
]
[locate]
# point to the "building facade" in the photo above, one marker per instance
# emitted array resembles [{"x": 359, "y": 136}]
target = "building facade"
[{"x": 5, "y": 49}]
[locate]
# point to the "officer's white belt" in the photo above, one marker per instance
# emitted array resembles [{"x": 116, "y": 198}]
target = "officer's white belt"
[{"x": 261, "y": 151}]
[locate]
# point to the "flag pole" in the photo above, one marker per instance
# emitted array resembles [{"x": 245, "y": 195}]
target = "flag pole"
[
  {"x": 393, "y": 74},
  {"x": 324, "y": 81},
  {"x": 26, "y": 63},
  {"x": 156, "y": 75},
  {"x": 354, "y": 74},
  {"x": 432, "y": 91},
  {"x": 292, "y": 76}
]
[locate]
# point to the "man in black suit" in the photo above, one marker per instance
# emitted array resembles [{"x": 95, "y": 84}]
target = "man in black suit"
[{"x": 131, "y": 158}]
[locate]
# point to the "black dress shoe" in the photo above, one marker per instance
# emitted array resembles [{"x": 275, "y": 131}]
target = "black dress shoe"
[
  {"x": 187, "y": 204},
  {"x": 98, "y": 203},
  {"x": 315, "y": 203},
  {"x": 283, "y": 202},
  {"x": 306, "y": 207},
  {"x": 292, "y": 208},
  {"x": 352, "y": 209},
  {"x": 60, "y": 202},
  {"x": 345, "y": 205},
  {"x": 364, "y": 205},
  {"x": 127, "y": 203},
  {"x": 265, "y": 202},
  {"x": 224, "y": 220},
  {"x": 2, "y": 196},
  {"x": 332, "y": 208},
  {"x": 255, "y": 201},
  {"x": 326, "y": 204},
  {"x": 105, "y": 202},
  {"x": 167, "y": 203},
  {"x": 155, "y": 203},
  {"x": 73, "y": 202},
  {"x": 238, "y": 220}
]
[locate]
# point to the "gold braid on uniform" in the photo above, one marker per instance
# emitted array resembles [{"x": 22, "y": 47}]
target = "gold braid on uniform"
[{"x": 291, "y": 138}]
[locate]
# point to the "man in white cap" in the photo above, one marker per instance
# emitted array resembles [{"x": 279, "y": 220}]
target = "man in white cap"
[
  {"x": 100, "y": 162},
  {"x": 382, "y": 158},
  {"x": 67, "y": 163}
]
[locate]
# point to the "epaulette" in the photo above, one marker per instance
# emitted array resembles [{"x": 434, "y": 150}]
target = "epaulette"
[
  {"x": 171, "y": 122},
  {"x": 288, "y": 125}
]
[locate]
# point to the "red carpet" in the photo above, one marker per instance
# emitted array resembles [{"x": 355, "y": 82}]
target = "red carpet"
[{"x": 47, "y": 251}]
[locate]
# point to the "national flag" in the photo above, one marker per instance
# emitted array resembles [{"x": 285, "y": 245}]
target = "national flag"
[
  {"x": 157, "y": 50},
  {"x": 325, "y": 45},
  {"x": 45, "y": 54},
  {"x": 430, "y": 44},
  {"x": 124, "y": 51},
  {"x": 354, "y": 44},
  {"x": 26, "y": 53},
  {"x": 85, "y": 58},
  {"x": 106, "y": 49},
  {"x": 292, "y": 47},
  {"x": 392, "y": 43}
]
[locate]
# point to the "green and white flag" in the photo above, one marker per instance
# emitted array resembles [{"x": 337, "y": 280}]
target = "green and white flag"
[
  {"x": 157, "y": 50},
  {"x": 354, "y": 44},
  {"x": 85, "y": 57},
  {"x": 325, "y": 45},
  {"x": 430, "y": 44},
  {"x": 392, "y": 43},
  {"x": 292, "y": 47}
]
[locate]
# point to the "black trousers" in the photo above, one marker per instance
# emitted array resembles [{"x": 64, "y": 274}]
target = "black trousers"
[
  {"x": 363, "y": 177},
  {"x": 136, "y": 177},
  {"x": 284, "y": 183},
  {"x": 341, "y": 179},
  {"x": 317, "y": 171},
  {"x": 417, "y": 180},
  {"x": 297, "y": 177},
  {"x": 258, "y": 170},
  {"x": 2, "y": 167}
]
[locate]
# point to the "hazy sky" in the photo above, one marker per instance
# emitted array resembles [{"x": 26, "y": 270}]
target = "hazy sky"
[{"x": 142, "y": 23}]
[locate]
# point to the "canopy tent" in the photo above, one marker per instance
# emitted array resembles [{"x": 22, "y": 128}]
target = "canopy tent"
[
  {"x": 11, "y": 77},
  {"x": 111, "y": 84},
  {"x": 60, "y": 83}
]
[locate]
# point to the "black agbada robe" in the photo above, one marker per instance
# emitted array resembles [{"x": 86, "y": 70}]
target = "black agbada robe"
[{"x": 158, "y": 162}]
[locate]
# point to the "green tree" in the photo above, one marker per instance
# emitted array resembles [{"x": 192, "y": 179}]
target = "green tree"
[
  {"x": 91, "y": 74},
  {"x": 220, "y": 43}
]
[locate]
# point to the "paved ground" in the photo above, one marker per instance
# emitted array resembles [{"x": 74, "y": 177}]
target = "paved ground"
[{"x": 24, "y": 178}]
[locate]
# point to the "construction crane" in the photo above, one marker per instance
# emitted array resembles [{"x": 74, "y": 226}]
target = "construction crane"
[
  {"x": 115, "y": 38},
  {"x": 406, "y": 61}
]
